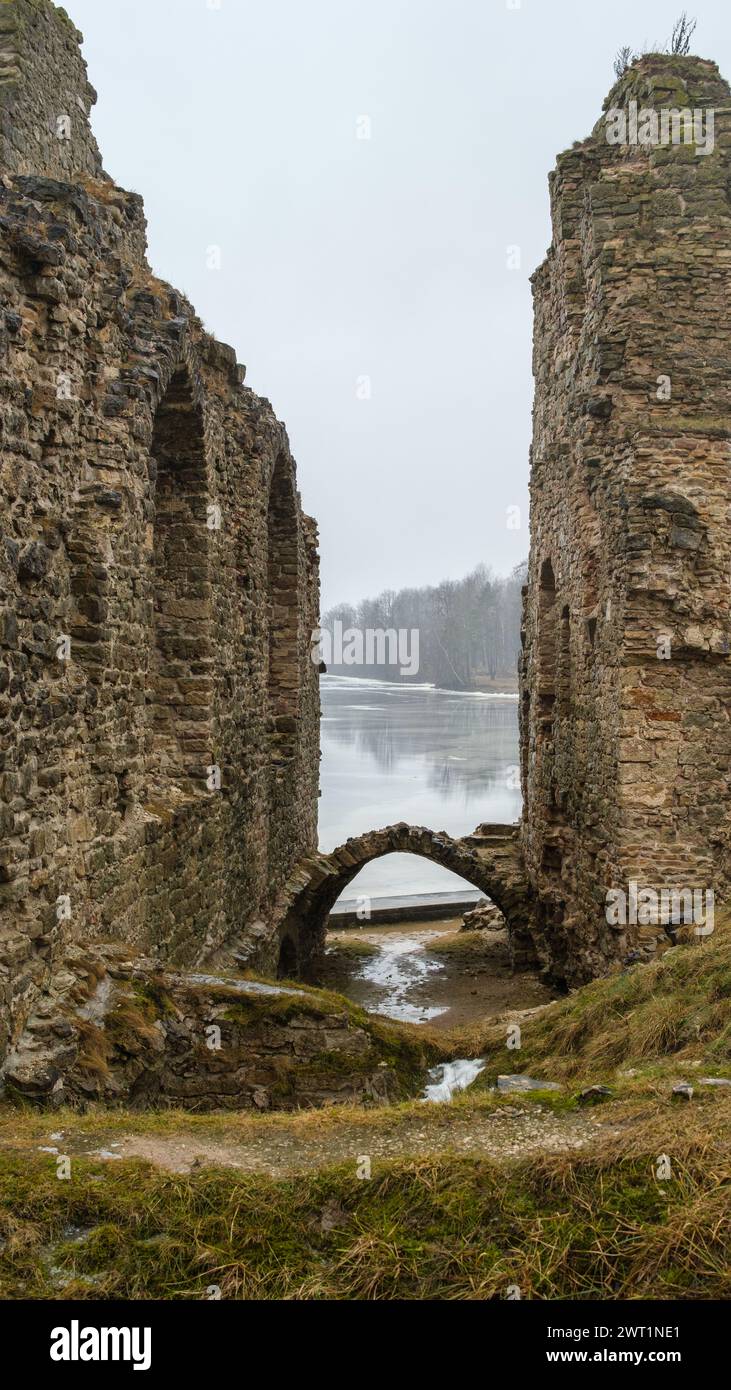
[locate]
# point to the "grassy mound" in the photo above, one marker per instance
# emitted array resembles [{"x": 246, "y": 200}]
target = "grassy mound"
[
  {"x": 638, "y": 1208},
  {"x": 676, "y": 1009},
  {"x": 443, "y": 1228}
]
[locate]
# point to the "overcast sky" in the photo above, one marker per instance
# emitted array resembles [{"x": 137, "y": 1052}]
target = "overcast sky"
[{"x": 365, "y": 282}]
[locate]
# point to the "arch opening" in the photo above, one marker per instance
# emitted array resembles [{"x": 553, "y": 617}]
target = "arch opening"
[
  {"x": 395, "y": 880},
  {"x": 283, "y": 617},
  {"x": 445, "y": 956},
  {"x": 180, "y": 683},
  {"x": 489, "y": 860},
  {"x": 547, "y": 650},
  {"x": 287, "y": 963}
]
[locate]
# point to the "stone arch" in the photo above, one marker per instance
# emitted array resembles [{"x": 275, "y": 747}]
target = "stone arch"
[
  {"x": 180, "y": 674},
  {"x": 489, "y": 859}
]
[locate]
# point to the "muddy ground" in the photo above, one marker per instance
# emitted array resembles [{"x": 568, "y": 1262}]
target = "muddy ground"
[{"x": 429, "y": 972}]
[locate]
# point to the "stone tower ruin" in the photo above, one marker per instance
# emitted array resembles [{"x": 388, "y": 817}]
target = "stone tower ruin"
[
  {"x": 158, "y": 579},
  {"x": 626, "y": 674}
]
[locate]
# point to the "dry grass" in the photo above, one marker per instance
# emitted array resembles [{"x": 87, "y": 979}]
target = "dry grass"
[
  {"x": 597, "y": 1223},
  {"x": 594, "y": 1226},
  {"x": 676, "y": 1008}
]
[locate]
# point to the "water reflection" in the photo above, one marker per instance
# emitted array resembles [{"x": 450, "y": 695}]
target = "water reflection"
[
  {"x": 465, "y": 741},
  {"x": 429, "y": 757}
]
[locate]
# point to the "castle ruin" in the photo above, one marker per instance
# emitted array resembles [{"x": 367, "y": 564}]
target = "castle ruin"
[
  {"x": 626, "y": 674},
  {"x": 159, "y": 581},
  {"x": 159, "y": 708}
]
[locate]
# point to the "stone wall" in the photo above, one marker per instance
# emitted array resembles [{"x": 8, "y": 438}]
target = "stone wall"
[
  {"x": 45, "y": 94},
  {"x": 158, "y": 579},
  {"x": 626, "y": 679},
  {"x": 128, "y": 1031}
]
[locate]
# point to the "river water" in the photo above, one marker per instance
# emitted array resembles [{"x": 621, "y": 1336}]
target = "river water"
[{"x": 394, "y": 752}]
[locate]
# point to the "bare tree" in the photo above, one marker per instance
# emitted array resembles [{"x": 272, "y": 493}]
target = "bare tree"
[
  {"x": 469, "y": 629},
  {"x": 682, "y": 35},
  {"x": 623, "y": 60}
]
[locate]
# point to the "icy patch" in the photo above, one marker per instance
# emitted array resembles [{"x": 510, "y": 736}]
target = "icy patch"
[
  {"x": 240, "y": 986},
  {"x": 96, "y": 1006},
  {"x": 400, "y": 966}
]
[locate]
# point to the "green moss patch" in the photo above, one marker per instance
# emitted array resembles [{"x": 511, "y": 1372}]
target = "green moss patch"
[{"x": 432, "y": 1229}]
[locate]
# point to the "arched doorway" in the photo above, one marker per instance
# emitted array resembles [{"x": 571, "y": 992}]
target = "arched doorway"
[
  {"x": 442, "y": 956},
  {"x": 283, "y": 667},
  {"x": 489, "y": 860},
  {"x": 180, "y": 678},
  {"x": 283, "y": 617},
  {"x": 547, "y": 652}
]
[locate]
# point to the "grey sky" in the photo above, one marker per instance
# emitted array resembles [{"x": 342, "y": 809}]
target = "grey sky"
[{"x": 344, "y": 258}]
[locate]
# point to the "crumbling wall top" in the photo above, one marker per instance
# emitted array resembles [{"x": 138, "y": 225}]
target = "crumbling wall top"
[{"x": 45, "y": 94}]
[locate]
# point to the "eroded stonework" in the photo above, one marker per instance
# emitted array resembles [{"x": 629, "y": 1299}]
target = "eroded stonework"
[
  {"x": 159, "y": 586},
  {"x": 124, "y": 1029},
  {"x": 626, "y": 681},
  {"x": 489, "y": 859},
  {"x": 158, "y": 579}
]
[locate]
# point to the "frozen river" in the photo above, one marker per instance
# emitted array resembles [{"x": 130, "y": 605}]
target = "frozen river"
[{"x": 394, "y": 752}]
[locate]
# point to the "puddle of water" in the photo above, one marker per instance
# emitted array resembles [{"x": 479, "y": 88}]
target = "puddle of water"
[
  {"x": 400, "y": 966},
  {"x": 449, "y": 1077}
]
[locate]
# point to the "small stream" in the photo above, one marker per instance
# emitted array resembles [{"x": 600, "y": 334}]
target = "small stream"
[
  {"x": 428, "y": 973},
  {"x": 449, "y": 1077}
]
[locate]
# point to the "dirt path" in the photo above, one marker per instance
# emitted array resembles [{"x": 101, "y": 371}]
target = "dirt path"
[
  {"x": 499, "y": 1136},
  {"x": 284, "y": 1145}
]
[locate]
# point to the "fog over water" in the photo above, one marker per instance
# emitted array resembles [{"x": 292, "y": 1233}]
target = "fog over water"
[{"x": 392, "y": 752}]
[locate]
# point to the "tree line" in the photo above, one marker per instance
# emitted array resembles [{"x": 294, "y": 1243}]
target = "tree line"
[{"x": 468, "y": 632}]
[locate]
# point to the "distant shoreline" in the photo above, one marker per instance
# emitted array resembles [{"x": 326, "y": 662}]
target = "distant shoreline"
[
  {"x": 410, "y": 907},
  {"x": 504, "y": 687}
]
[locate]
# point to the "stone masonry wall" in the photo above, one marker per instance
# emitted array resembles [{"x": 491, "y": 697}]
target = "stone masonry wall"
[
  {"x": 123, "y": 1030},
  {"x": 158, "y": 579},
  {"x": 626, "y": 679},
  {"x": 45, "y": 94}
]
